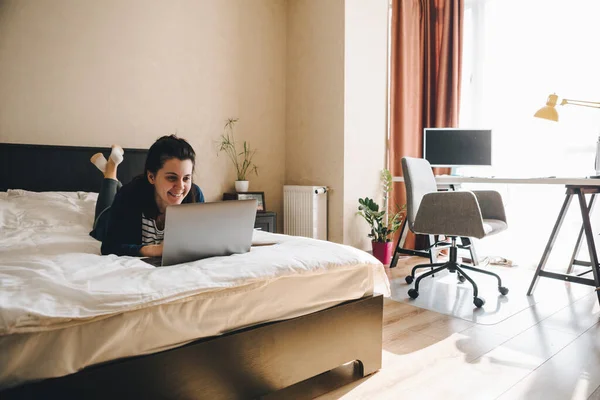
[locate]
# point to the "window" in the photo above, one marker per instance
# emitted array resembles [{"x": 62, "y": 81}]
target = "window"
[
  {"x": 514, "y": 56},
  {"x": 516, "y": 53}
]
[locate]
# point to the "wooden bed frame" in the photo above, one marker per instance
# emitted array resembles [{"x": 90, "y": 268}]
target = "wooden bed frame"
[{"x": 247, "y": 363}]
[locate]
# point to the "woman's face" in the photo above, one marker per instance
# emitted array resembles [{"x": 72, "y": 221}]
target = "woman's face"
[{"x": 172, "y": 182}]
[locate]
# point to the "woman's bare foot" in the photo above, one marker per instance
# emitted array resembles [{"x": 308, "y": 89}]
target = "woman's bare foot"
[{"x": 111, "y": 170}]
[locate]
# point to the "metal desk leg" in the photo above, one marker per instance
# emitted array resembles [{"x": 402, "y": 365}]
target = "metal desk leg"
[
  {"x": 432, "y": 251},
  {"x": 574, "y": 260},
  {"x": 403, "y": 234},
  {"x": 401, "y": 250},
  {"x": 465, "y": 241},
  {"x": 399, "y": 244},
  {"x": 550, "y": 244},
  {"x": 589, "y": 235}
]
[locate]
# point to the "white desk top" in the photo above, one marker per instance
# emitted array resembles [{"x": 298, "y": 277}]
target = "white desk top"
[{"x": 448, "y": 179}]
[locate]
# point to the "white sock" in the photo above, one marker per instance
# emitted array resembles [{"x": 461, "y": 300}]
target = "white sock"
[
  {"x": 116, "y": 154},
  {"x": 99, "y": 161}
]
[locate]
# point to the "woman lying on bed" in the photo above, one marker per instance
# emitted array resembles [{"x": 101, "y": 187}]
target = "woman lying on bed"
[{"x": 130, "y": 219}]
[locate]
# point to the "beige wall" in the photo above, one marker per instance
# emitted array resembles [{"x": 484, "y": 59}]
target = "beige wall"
[
  {"x": 305, "y": 77},
  {"x": 315, "y": 101},
  {"x": 93, "y": 73},
  {"x": 336, "y": 103}
]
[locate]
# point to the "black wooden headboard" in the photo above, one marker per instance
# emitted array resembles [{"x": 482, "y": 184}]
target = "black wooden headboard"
[{"x": 60, "y": 168}]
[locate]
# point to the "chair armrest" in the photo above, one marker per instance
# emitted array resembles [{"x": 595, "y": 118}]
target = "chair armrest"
[
  {"x": 450, "y": 214},
  {"x": 490, "y": 204}
]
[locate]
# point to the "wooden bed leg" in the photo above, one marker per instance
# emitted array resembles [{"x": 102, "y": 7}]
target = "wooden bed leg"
[
  {"x": 369, "y": 352},
  {"x": 369, "y": 367}
]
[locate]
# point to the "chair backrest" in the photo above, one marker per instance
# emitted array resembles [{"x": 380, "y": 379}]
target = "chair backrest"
[{"x": 419, "y": 180}]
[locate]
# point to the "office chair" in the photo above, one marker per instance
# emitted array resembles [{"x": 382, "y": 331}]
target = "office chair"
[{"x": 453, "y": 214}]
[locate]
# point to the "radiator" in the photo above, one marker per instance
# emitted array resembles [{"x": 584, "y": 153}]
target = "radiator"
[{"x": 305, "y": 211}]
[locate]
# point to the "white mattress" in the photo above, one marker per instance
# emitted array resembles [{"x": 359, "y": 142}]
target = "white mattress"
[{"x": 64, "y": 307}]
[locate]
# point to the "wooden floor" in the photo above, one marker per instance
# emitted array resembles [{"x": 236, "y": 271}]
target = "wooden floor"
[{"x": 427, "y": 355}]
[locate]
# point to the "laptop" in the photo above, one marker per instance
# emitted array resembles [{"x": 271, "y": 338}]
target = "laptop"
[{"x": 200, "y": 230}]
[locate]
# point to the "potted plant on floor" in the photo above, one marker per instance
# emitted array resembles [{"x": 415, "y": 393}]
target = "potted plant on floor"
[
  {"x": 383, "y": 224},
  {"x": 242, "y": 159}
]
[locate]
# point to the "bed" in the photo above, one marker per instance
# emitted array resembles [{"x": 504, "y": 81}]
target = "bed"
[{"x": 74, "y": 324}]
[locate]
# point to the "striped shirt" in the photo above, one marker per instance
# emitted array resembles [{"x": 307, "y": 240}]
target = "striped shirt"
[{"x": 150, "y": 233}]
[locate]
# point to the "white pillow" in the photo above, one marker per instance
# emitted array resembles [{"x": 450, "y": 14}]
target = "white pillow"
[
  {"x": 88, "y": 196},
  {"x": 42, "y": 195},
  {"x": 47, "y": 210}
]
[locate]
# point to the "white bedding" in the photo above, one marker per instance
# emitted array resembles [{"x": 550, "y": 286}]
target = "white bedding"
[{"x": 56, "y": 285}]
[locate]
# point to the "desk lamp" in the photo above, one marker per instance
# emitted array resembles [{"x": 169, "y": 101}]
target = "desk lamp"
[{"x": 549, "y": 112}]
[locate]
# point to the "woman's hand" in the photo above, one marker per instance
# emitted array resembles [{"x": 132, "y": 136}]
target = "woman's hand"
[{"x": 152, "y": 250}]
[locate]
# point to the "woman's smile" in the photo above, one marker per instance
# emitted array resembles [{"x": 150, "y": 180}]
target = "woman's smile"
[{"x": 172, "y": 182}]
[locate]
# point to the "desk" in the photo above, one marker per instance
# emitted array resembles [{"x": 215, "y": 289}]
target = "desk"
[
  {"x": 456, "y": 180},
  {"x": 577, "y": 187}
]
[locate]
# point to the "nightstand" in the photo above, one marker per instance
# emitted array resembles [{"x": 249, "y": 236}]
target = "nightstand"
[{"x": 266, "y": 221}]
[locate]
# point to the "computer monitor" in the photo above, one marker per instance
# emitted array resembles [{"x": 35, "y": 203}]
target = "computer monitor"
[{"x": 455, "y": 147}]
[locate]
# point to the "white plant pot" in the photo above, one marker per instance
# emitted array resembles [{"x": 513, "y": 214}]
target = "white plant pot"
[{"x": 241, "y": 186}]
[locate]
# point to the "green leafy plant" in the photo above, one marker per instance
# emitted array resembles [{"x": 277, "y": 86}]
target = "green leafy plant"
[
  {"x": 242, "y": 160},
  {"x": 383, "y": 225}
]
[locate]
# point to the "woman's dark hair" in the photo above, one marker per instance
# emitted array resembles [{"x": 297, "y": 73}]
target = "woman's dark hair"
[
  {"x": 168, "y": 147},
  {"x": 164, "y": 149}
]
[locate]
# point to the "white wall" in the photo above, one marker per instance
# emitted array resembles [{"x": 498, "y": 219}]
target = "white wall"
[{"x": 365, "y": 128}]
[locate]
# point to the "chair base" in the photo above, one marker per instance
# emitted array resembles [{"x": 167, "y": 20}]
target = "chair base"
[
  {"x": 431, "y": 251},
  {"x": 452, "y": 265}
]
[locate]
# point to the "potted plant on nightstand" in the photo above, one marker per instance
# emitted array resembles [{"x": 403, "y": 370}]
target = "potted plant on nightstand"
[
  {"x": 383, "y": 225},
  {"x": 242, "y": 159}
]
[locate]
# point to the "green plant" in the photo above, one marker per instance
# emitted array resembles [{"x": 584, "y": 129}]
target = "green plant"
[
  {"x": 383, "y": 225},
  {"x": 242, "y": 160}
]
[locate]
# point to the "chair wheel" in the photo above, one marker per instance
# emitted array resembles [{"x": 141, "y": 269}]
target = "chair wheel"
[
  {"x": 409, "y": 279},
  {"x": 503, "y": 290},
  {"x": 478, "y": 301},
  {"x": 461, "y": 278},
  {"x": 413, "y": 293}
]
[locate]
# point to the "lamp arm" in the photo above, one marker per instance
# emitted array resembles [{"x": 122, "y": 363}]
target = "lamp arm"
[{"x": 582, "y": 103}]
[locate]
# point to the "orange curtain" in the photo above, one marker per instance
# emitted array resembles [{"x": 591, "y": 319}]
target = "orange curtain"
[{"x": 426, "y": 52}]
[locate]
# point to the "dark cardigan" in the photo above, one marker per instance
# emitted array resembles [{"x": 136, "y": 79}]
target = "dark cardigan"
[{"x": 124, "y": 233}]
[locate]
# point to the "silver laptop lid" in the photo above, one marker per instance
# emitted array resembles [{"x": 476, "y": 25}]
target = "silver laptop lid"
[{"x": 201, "y": 230}]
